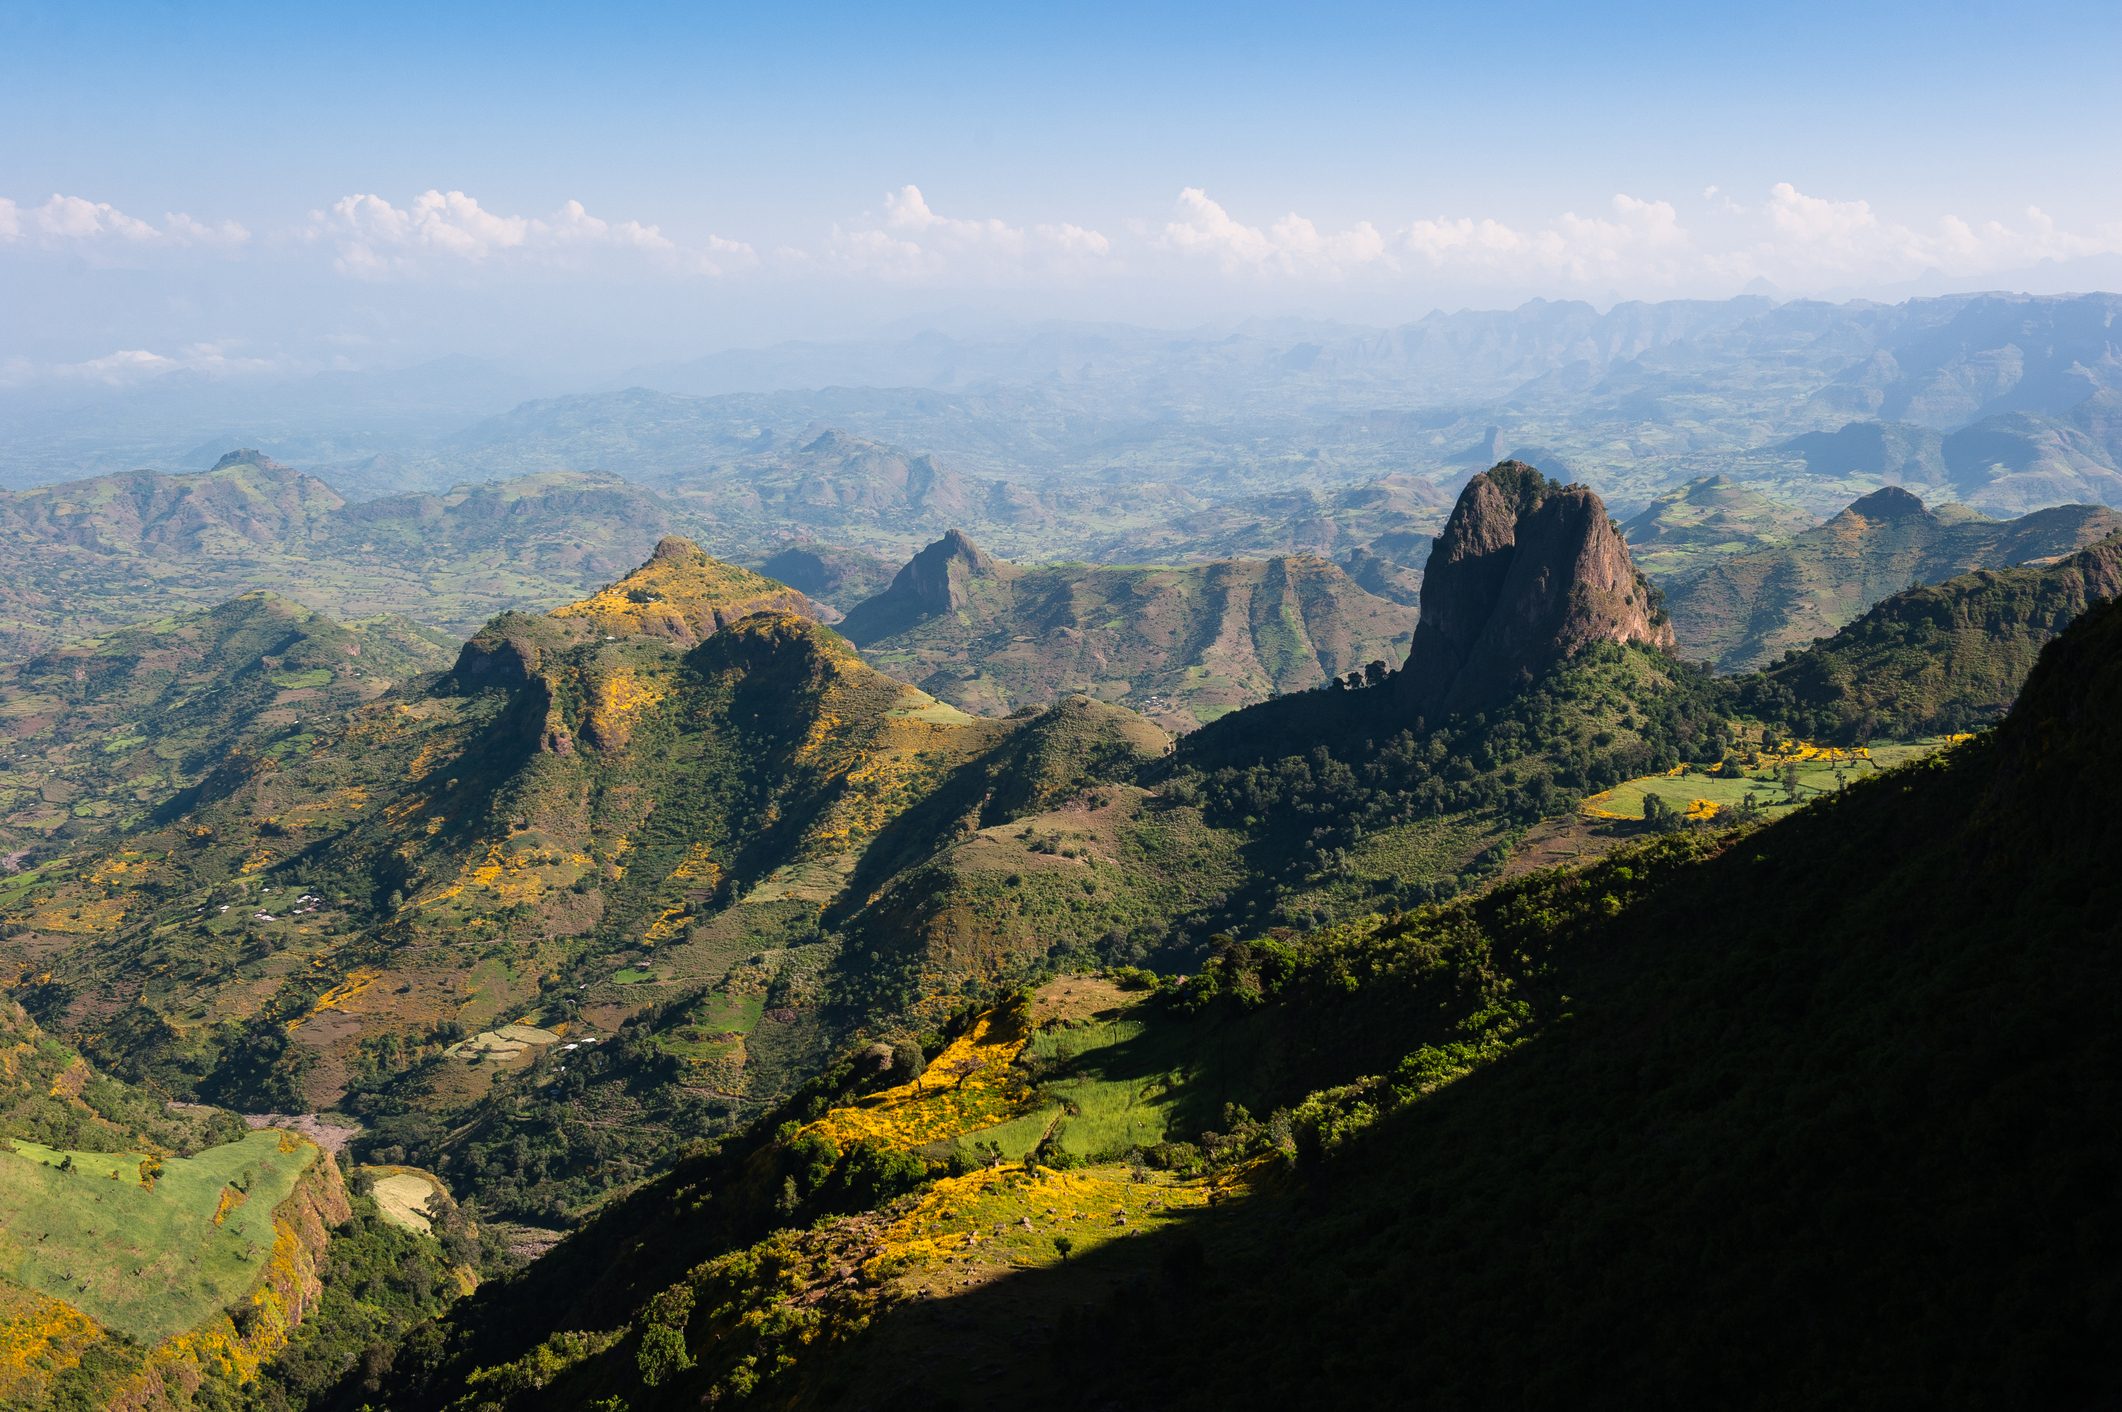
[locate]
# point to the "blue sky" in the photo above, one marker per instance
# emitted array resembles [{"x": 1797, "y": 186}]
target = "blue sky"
[{"x": 250, "y": 178}]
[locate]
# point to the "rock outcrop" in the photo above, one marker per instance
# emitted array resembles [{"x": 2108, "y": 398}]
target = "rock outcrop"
[
  {"x": 933, "y": 583},
  {"x": 1525, "y": 574},
  {"x": 1889, "y": 503}
]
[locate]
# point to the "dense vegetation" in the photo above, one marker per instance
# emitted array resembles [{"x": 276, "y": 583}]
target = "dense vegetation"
[
  {"x": 1611, "y": 713},
  {"x": 1820, "y": 1113},
  {"x": 1946, "y": 657}
]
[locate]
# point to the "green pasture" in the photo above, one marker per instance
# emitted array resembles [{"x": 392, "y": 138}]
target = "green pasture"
[
  {"x": 1116, "y": 1084},
  {"x": 146, "y": 1263},
  {"x": 1814, "y": 779}
]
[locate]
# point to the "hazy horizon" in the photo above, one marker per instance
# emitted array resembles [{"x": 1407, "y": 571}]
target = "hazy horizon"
[{"x": 252, "y": 191}]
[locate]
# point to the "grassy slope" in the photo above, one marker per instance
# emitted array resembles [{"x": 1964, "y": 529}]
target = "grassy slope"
[
  {"x": 103, "y": 734},
  {"x": 1820, "y": 772},
  {"x": 146, "y": 1263},
  {"x": 1704, "y": 520},
  {"x": 51, "y": 1095}
]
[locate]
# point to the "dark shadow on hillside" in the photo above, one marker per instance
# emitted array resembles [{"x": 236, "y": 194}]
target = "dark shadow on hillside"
[{"x": 1834, "y": 1124}]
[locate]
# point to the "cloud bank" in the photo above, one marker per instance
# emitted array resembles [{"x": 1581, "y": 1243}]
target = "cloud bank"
[
  {"x": 372, "y": 270},
  {"x": 76, "y": 223},
  {"x": 1632, "y": 245},
  {"x": 373, "y": 239}
]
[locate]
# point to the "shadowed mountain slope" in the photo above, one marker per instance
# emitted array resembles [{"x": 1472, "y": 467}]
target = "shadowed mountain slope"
[{"x": 1860, "y": 1054}]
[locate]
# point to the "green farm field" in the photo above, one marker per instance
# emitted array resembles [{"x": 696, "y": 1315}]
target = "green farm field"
[{"x": 1815, "y": 778}]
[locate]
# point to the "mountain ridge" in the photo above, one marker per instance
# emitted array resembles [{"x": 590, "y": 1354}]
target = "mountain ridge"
[
  {"x": 1746, "y": 608},
  {"x": 1184, "y": 643}
]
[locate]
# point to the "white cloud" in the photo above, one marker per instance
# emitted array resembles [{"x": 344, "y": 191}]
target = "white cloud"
[
  {"x": 1636, "y": 244},
  {"x": 1632, "y": 245},
  {"x": 1292, "y": 245},
  {"x": 376, "y": 239},
  {"x": 77, "y": 223},
  {"x": 1818, "y": 235},
  {"x": 182, "y": 229},
  {"x": 914, "y": 241},
  {"x": 131, "y": 365},
  {"x": 76, "y": 218}
]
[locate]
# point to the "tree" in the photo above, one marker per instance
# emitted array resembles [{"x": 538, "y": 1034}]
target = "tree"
[
  {"x": 1064, "y": 1245},
  {"x": 964, "y": 1068},
  {"x": 1376, "y": 672},
  {"x": 908, "y": 1063},
  {"x": 662, "y": 1355},
  {"x": 1788, "y": 775}
]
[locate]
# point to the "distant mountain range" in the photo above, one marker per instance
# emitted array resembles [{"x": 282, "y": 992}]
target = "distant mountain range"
[
  {"x": 1636, "y": 400},
  {"x": 87, "y": 556}
]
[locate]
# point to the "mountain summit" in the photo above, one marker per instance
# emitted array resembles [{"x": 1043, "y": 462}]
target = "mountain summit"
[
  {"x": 684, "y": 595},
  {"x": 933, "y": 584},
  {"x": 1526, "y": 572}
]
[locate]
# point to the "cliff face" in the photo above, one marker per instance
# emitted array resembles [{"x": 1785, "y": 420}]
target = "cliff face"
[
  {"x": 932, "y": 584},
  {"x": 1526, "y": 573}
]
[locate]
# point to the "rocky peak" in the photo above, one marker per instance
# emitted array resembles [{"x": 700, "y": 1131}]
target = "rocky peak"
[
  {"x": 1888, "y": 503},
  {"x": 936, "y": 578},
  {"x": 677, "y": 549},
  {"x": 682, "y": 594},
  {"x": 247, "y": 456},
  {"x": 1527, "y": 572},
  {"x": 934, "y": 582},
  {"x": 830, "y": 442}
]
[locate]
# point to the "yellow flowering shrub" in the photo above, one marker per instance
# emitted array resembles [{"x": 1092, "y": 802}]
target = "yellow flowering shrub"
[
  {"x": 357, "y": 981},
  {"x": 969, "y": 1085},
  {"x": 39, "y": 1338}
]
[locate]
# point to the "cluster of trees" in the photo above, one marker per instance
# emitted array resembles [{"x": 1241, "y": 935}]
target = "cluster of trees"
[{"x": 1601, "y": 719}]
